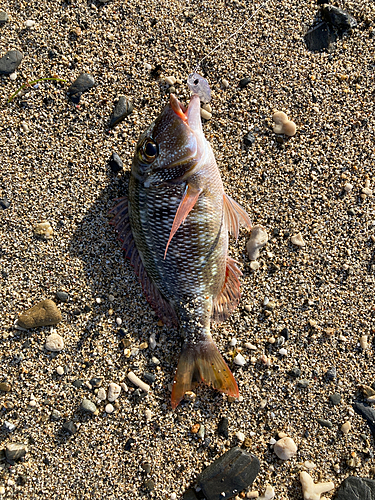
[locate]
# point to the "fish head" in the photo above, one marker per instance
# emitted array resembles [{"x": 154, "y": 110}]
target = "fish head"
[{"x": 172, "y": 145}]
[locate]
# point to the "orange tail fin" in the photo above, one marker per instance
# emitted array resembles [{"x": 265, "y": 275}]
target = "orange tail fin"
[{"x": 204, "y": 361}]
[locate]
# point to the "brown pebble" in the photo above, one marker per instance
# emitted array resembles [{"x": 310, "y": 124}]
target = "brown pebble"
[
  {"x": 42, "y": 314},
  {"x": 5, "y": 387},
  {"x": 195, "y": 428},
  {"x": 283, "y": 125}
]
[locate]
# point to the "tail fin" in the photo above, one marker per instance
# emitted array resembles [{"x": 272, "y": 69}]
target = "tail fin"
[{"x": 204, "y": 361}]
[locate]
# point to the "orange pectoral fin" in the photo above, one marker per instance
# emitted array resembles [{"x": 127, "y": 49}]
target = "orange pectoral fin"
[{"x": 186, "y": 205}]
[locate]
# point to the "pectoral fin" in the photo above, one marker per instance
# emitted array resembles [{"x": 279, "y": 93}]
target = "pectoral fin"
[
  {"x": 186, "y": 205},
  {"x": 235, "y": 215}
]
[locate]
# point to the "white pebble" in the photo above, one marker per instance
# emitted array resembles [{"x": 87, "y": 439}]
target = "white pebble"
[
  {"x": 206, "y": 115},
  {"x": 32, "y": 403},
  {"x": 239, "y": 360},
  {"x": 207, "y": 107},
  {"x": 148, "y": 414},
  {"x": 285, "y": 448},
  {"x": 109, "y": 408},
  {"x": 148, "y": 67},
  {"x": 225, "y": 83},
  {"x": 29, "y": 23},
  {"x": 13, "y": 76},
  {"x": 252, "y": 494},
  {"x": 119, "y": 321},
  {"x": 60, "y": 370},
  {"x": 364, "y": 342},
  {"x": 152, "y": 341},
  {"x": 114, "y": 391},
  {"x": 102, "y": 395},
  {"x": 233, "y": 342},
  {"x": 254, "y": 265},
  {"x": 240, "y": 436},
  {"x": 170, "y": 80},
  {"x": 272, "y": 441},
  {"x": 124, "y": 387},
  {"x": 297, "y": 240},
  {"x": 258, "y": 238},
  {"x": 173, "y": 496},
  {"x": 9, "y": 426},
  {"x": 367, "y": 191},
  {"x": 54, "y": 343},
  {"x": 265, "y": 301},
  {"x": 155, "y": 360},
  {"x": 268, "y": 494},
  {"x": 283, "y": 351},
  {"x": 251, "y": 347},
  {"x": 138, "y": 382},
  {"x": 309, "y": 465},
  {"x": 2, "y": 490},
  {"x": 98, "y": 300},
  {"x": 25, "y": 127},
  {"x": 348, "y": 187}
]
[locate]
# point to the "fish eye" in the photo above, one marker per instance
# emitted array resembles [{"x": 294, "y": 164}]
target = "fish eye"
[{"x": 149, "y": 150}]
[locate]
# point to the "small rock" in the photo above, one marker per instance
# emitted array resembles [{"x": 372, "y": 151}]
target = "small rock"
[
  {"x": 3, "y": 17},
  {"x": 114, "y": 391},
  {"x": 325, "y": 423},
  {"x": 44, "y": 313},
  {"x": 4, "y": 204},
  {"x": 258, "y": 239},
  {"x": 115, "y": 163},
  {"x": 368, "y": 414},
  {"x": 201, "y": 431},
  {"x": 356, "y": 488},
  {"x": 283, "y": 125},
  {"x": 29, "y": 23},
  {"x": 83, "y": 83},
  {"x": 285, "y": 448},
  {"x": 206, "y": 115},
  {"x": 43, "y": 230},
  {"x": 190, "y": 396},
  {"x": 244, "y": 82},
  {"x": 149, "y": 485},
  {"x": 13, "y": 76},
  {"x": 102, "y": 395},
  {"x": 363, "y": 341},
  {"x": 109, "y": 408},
  {"x": 146, "y": 466},
  {"x": 249, "y": 139},
  {"x": 254, "y": 265},
  {"x": 77, "y": 383},
  {"x": 233, "y": 471},
  {"x": 10, "y": 61},
  {"x": 15, "y": 451},
  {"x": 122, "y": 109},
  {"x": 313, "y": 491},
  {"x": 150, "y": 377},
  {"x": 88, "y": 406},
  {"x": 55, "y": 415},
  {"x": 367, "y": 191},
  {"x": 54, "y": 343},
  {"x": 320, "y": 37},
  {"x": 338, "y": 18},
  {"x": 294, "y": 372},
  {"x": 335, "y": 398},
  {"x": 268, "y": 494},
  {"x": 62, "y": 296},
  {"x": 148, "y": 414},
  {"x": 5, "y": 387},
  {"x": 331, "y": 373},
  {"x": 170, "y": 80},
  {"x": 60, "y": 370},
  {"x": 9, "y": 427},
  {"x": 270, "y": 306},
  {"x": 239, "y": 360},
  {"x": 240, "y": 436},
  {"x": 345, "y": 428},
  {"x": 225, "y": 83},
  {"x": 70, "y": 427},
  {"x": 96, "y": 382},
  {"x": 223, "y": 427},
  {"x": 297, "y": 240},
  {"x": 348, "y": 187}
]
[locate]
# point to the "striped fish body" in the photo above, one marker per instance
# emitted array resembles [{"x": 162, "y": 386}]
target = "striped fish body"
[{"x": 174, "y": 227}]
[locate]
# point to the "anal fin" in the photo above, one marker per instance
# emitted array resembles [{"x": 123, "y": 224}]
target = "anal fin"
[
  {"x": 234, "y": 215},
  {"x": 228, "y": 299}
]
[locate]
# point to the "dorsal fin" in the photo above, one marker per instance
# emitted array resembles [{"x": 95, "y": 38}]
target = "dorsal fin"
[
  {"x": 228, "y": 299},
  {"x": 158, "y": 302},
  {"x": 234, "y": 215}
]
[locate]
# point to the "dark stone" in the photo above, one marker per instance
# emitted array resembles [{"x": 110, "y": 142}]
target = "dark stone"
[
  {"x": 320, "y": 37},
  {"x": 294, "y": 372},
  {"x": 325, "y": 423},
  {"x": 150, "y": 377},
  {"x": 368, "y": 414},
  {"x": 87, "y": 309},
  {"x": 284, "y": 332},
  {"x": 189, "y": 495},
  {"x": 149, "y": 485},
  {"x": 63, "y": 296},
  {"x": 21, "y": 480},
  {"x": 15, "y": 451},
  {"x": 146, "y": 466},
  {"x": 70, "y": 427},
  {"x": 10, "y": 61},
  {"x": 3, "y": 17},
  {"x": 331, "y": 373},
  {"x": 335, "y": 398},
  {"x": 244, "y": 82},
  {"x": 122, "y": 109},
  {"x": 115, "y": 163},
  {"x": 223, "y": 427},
  {"x": 303, "y": 383},
  {"x": 83, "y": 83},
  {"x": 129, "y": 444},
  {"x": 249, "y": 139},
  {"x": 356, "y": 488},
  {"x": 340, "y": 19},
  {"x": 78, "y": 383},
  {"x": 229, "y": 474},
  {"x": 96, "y": 382},
  {"x": 4, "y": 203}
]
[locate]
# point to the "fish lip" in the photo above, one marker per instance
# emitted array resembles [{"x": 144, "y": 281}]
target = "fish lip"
[{"x": 178, "y": 108}]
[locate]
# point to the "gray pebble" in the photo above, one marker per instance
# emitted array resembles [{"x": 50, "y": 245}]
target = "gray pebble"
[
  {"x": 77, "y": 383},
  {"x": 3, "y": 17},
  {"x": 83, "y": 83},
  {"x": 63, "y": 296},
  {"x": 335, "y": 398},
  {"x": 88, "y": 406},
  {"x": 331, "y": 373},
  {"x": 146, "y": 466},
  {"x": 55, "y": 415},
  {"x": 303, "y": 383},
  {"x": 96, "y": 382},
  {"x": 115, "y": 163},
  {"x": 122, "y": 109},
  {"x": 149, "y": 485},
  {"x": 325, "y": 423},
  {"x": 294, "y": 372},
  {"x": 70, "y": 427},
  {"x": 4, "y": 204},
  {"x": 15, "y": 451},
  {"x": 10, "y": 61}
]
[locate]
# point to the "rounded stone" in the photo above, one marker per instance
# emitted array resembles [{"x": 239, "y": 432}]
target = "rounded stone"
[
  {"x": 15, "y": 451},
  {"x": 44, "y": 313},
  {"x": 54, "y": 343},
  {"x": 285, "y": 448},
  {"x": 109, "y": 408},
  {"x": 113, "y": 392},
  {"x": 88, "y": 406}
]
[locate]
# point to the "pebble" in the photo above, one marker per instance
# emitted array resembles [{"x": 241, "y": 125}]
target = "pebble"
[
  {"x": 3, "y": 17},
  {"x": 149, "y": 485},
  {"x": 173, "y": 496},
  {"x": 2, "y": 490},
  {"x": 225, "y": 83},
  {"x": 321, "y": 36},
  {"x": 254, "y": 265},
  {"x": 83, "y": 83},
  {"x": 55, "y": 415},
  {"x": 114, "y": 391},
  {"x": 283, "y": 352},
  {"x": 29, "y": 23},
  {"x": 10, "y": 61},
  {"x": 363, "y": 341},
  {"x": 222, "y": 429},
  {"x": 206, "y": 115},
  {"x": 60, "y": 370},
  {"x": 313, "y": 491},
  {"x": 268, "y": 494},
  {"x": 309, "y": 465},
  {"x": 353, "y": 488},
  {"x": 170, "y": 80},
  {"x": 244, "y": 82},
  {"x": 123, "y": 108},
  {"x": 249, "y": 139},
  {"x": 9, "y": 427},
  {"x": 115, "y": 163},
  {"x": 54, "y": 343},
  {"x": 109, "y": 408},
  {"x": 233, "y": 342},
  {"x": 207, "y": 107},
  {"x": 88, "y": 406},
  {"x": 345, "y": 428},
  {"x": 348, "y": 187},
  {"x": 239, "y": 360},
  {"x": 367, "y": 191},
  {"x": 62, "y": 296},
  {"x": 285, "y": 448},
  {"x": 13, "y": 76},
  {"x": 250, "y": 346},
  {"x": 338, "y": 18},
  {"x": 190, "y": 396},
  {"x": 43, "y": 230},
  {"x": 15, "y": 451},
  {"x": 368, "y": 414},
  {"x": 235, "y": 470},
  {"x": 119, "y": 321},
  {"x": 325, "y": 423},
  {"x": 335, "y": 398},
  {"x": 201, "y": 431},
  {"x": 5, "y": 387},
  {"x": 283, "y": 125},
  {"x": 240, "y": 436},
  {"x": 70, "y": 427},
  {"x": 298, "y": 240},
  {"x": 258, "y": 239},
  {"x": 44, "y": 313},
  {"x": 331, "y": 373},
  {"x": 138, "y": 382},
  {"x": 148, "y": 414},
  {"x": 4, "y": 204}
]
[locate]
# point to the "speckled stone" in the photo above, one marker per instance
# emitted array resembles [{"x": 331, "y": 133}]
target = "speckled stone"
[
  {"x": 44, "y": 313},
  {"x": 10, "y": 61},
  {"x": 122, "y": 109},
  {"x": 15, "y": 451},
  {"x": 353, "y": 488}
]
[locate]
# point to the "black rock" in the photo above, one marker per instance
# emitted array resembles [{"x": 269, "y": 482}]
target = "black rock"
[
  {"x": 294, "y": 372},
  {"x": 115, "y": 163},
  {"x": 325, "y": 423},
  {"x": 87, "y": 309},
  {"x": 335, "y": 398},
  {"x": 96, "y": 382},
  {"x": 77, "y": 383},
  {"x": 63, "y": 296},
  {"x": 284, "y": 332},
  {"x": 189, "y": 495},
  {"x": 3, "y": 17},
  {"x": 244, "y": 82},
  {"x": 149, "y": 485},
  {"x": 122, "y": 109},
  {"x": 249, "y": 139},
  {"x": 356, "y": 488},
  {"x": 223, "y": 427},
  {"x": 4, "y": 203},
  {"x": 83, "y": 83},
  {"x": 70, "y": 427},
  {"x": 320, "y": 37},
  {"x": 129, "y": 444},
  {"x": 368, "y": 413},
  {"x": 229, "y": 474},
  {"x": 340, "y": 19},
  {"x": 150, "y": 377},
  {"x": 10, "y": 61},
  {"x": 331, "y": 373}
]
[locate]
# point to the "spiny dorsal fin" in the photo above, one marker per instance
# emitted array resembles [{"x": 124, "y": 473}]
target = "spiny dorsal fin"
[
  {"x": 234, "y": 215},
  {"x": 228, "y": 299}
]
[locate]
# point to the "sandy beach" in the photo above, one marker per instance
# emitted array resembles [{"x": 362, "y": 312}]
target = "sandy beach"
[{"x": 305, "y": 323}]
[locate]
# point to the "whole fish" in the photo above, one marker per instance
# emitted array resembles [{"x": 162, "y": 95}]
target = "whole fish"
[{"x": 174, "y": 229}]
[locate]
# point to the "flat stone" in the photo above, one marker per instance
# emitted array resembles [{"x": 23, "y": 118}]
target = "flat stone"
[
  {"x": 368, "y": 413},
  {"x": 340, "y": 19},
  {"x": 43, "y": 230},
  {"x": 15, "y": 451},
  {"x": 335, "y": 398},
  {"x": 44, "y": 313},
  {"x": 70, "y": 427},
  {"x": 229, "y": 474},
  {"x": 4, "y": 204},
  {"x": 244, "y": 82},
  {"x": 122, "y": 109},
  {"x": 356, "y": 488},
  {"x": 3, "y": 17},
  {"x": 88, "y": 406},
  {"x": 325, "y": 423},
  {"x": 63, "y": 296},
  {"x": 83, "y": 83},
  {"x": 298, "y": 240},
  {"x": 115, "y": 163},
  {"x": 5, "y": 387},
  {"x": 303, "y": 383},
  {"x": 258, "y": 238},
  {"x": 285, "y": 448},
  {"x": 54, "y": 343},
  {"x": 320, "y": 37},
  {"x": 10, "y": 61},
  {"x": 223, "y": 427}
]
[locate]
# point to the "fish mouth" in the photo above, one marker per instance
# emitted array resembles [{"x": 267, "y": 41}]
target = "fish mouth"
[
  {"x": 191, "y": 115},
  {"x": 178, "y": 108}
]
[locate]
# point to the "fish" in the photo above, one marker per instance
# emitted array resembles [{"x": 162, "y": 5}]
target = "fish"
[{"x": 174, "y": 226}]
